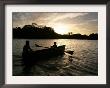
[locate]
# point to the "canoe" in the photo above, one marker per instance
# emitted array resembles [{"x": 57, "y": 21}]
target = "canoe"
[
  {"x": 43, "y": 54},
  {"x": 49, "y": 52}
]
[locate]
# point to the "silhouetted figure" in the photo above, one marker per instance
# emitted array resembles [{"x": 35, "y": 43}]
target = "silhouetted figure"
[
  {"x": 54, "y": 46},
  {"x": 26, "y": 55},
  {"x": 27, "y": 58},
  {"x": 26, "y": 47}
]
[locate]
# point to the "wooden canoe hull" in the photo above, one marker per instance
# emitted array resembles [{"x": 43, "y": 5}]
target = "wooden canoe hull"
[
  {"x": 43, "y": 54},
  {"x": 50, "y": 52}
]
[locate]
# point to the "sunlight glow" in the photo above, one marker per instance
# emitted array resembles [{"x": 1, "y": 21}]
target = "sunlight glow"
[{"x": 61, "y": 29}]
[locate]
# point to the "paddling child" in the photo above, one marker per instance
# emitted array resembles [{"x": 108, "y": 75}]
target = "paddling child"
[{"x": 54, "y": 46}]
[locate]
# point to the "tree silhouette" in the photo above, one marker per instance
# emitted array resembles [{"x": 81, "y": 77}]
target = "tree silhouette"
[{"x": 35, "y": 31}]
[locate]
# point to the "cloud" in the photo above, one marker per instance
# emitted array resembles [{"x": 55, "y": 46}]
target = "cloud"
[
  {"x": 63, "y": 16},
  {"x": 42, "y": 17},
  {"x": 80, "y": 20}
]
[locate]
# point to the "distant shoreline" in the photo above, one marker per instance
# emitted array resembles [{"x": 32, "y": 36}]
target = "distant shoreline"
[{"x": 33, "y": 32}]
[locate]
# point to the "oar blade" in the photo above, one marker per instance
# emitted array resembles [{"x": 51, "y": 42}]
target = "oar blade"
[{"x": 69, "y": 52}]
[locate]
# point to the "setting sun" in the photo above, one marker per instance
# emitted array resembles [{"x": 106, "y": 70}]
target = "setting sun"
[{"x": 61, "y": 29}]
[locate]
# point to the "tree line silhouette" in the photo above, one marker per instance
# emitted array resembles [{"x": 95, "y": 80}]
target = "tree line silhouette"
[{"x": 44, "y": 32}]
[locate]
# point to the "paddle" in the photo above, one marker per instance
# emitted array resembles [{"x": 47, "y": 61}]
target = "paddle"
[
  {"x": 40, "y": 46},
  {"x": 69, "y": 52},
  {"x": 37, "y": 45}
]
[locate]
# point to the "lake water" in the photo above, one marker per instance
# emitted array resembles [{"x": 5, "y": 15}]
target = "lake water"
[{"x": 85, "y": 58}]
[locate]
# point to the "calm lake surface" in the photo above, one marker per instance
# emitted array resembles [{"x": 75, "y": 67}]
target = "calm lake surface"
[{"x": 85, "y": 58}]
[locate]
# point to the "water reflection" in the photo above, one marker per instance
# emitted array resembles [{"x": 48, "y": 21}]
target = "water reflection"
[{"x": 84, "y": 60}]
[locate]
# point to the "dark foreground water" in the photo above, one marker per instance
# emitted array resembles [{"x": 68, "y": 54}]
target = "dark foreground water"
[{"x": 85, "y": 58}]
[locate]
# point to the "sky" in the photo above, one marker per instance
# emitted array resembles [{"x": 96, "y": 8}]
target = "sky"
[{"x": 61, "y": 22}]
